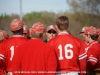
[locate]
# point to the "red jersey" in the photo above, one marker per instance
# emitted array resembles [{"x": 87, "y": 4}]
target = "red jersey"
[
  {"x": 2, "y": 63},
  {"x": 8, "y": 48},
  {"x": 67, "y": 48},
  {"x": 85, "y": 45},
  {"x": 83, "y": 58},
  {"x": 34, "y": 56},
  {"x": 93, "y": 56}
]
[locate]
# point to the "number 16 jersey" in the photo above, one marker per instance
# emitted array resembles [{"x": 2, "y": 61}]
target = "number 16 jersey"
[{"x": 67, "y": 48}]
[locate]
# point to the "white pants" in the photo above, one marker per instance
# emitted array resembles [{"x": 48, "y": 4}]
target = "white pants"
[
  {"x": 9, "y": 73},
  {"x": 69, "y": 73}
]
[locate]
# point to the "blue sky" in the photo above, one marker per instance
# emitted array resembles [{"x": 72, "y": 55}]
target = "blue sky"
[{"x": 12, "y": 6}]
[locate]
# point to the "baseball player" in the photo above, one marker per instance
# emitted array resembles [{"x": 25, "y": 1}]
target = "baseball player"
[
  {"x": 8, "y": 46},
  {"x": 51, "y": 32},
  {"x": 26, "y": 32},
  {"x": 35, "y": 57},
  {"x": 67, "y": 48},
  {"x": 85, "y": 45},
  {"x": 97, "y": 70},
  {"x": 92, "y": 55},
  {"x": 3, "y": 35},
  {"x": 98, "y": 34}
]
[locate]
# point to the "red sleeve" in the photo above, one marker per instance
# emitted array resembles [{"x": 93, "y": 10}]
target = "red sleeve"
[
  {"x": 82, "y": 60},
  {"x": 2, "y": 64},
  {"x": 52, "y": 62},
  {"x": 92, "y": 58},
  {"x": 2, "y": 52},
  {"x": 16, "y": 62},
  {"x": 2, "y": 58}
]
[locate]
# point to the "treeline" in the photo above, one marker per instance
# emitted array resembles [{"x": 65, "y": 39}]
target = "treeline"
[{"x": 77, "y": 21}]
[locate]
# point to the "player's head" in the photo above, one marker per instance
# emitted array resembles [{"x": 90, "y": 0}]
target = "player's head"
[
  {"x": 16, "y": 26},
  {"x": 98, "y": 30},
  {"x": 3, "y": 35},
  {"x": 82, "y": 31},
  {"x": 25, "y": 31},
  {"x": 37, "y": 30},
  {"x": 62, "y": 23},
  {"x": 6, "y": 35},
  {"x": 51, "y": 32},
  {"x": 91, "y": 33}
]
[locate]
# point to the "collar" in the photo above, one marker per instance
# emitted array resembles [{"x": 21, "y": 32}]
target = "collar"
[
  {"x": 63, "y": 33},
  {"x": 17, "y": 36}
]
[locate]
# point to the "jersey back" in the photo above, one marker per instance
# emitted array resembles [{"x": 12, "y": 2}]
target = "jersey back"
[
  {"x": 67, "y": 49},
  {"x": 8, "y": 48}
]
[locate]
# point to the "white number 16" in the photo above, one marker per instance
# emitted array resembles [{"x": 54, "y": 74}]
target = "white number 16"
[{"x": 66, "y": 51}]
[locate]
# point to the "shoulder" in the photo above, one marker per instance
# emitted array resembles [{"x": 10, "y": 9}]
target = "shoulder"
[
  {"x": 77, "y": 39},
  {"x": 95, "y": 46},
  {"x": 51, "y": 42},
  {"x": 4, "y": 42}
]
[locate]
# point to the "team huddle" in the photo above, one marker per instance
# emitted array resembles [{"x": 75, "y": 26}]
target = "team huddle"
[{"x": 25, "y": 53}]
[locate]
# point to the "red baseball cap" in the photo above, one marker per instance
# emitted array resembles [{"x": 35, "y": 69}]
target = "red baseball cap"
[
  {"x": 16, "y": 24},
  {"x": 25, "y": 29},
  {"x": 51, "y": 27},
  {"x": 37, "y": 28},
  {"x": 91, "y": 30},
  {"x": 6, "y": 36},
  {"x": 3, "y": 35},
  {"x": 83, "y": 30},
  {"x": 98, "y": 30}
]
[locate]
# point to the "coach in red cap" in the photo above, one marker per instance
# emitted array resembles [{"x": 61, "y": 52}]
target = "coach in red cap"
[
  {"x": 35, "y": 57},
  {"x": 51, "y": 32}
]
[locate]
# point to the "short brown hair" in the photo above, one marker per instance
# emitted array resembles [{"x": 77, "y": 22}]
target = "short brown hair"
[
  {"x": 37, "y": 35},
  {"x": 62, "y": 23}
]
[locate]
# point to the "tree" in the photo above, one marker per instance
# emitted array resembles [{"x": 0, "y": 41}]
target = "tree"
[
  {"x": 85, "y": 6},
  {"x": 86, "y": 11}
]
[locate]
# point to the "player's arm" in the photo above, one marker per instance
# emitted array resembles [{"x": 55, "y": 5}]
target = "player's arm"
[
  {"x": 16, "y": 62},
  {"x": 92, "y": 58},
  {"x": 82, "y": 60},
  {"x": 52, "y": 61},
  {"x": 2, "y": 58},
  {"x": 2, "y": 61}
]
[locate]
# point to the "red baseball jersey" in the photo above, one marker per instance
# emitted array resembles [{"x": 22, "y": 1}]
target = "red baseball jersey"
[
  {"x": 85, "y": 45},
  {"x": 83, "y": 57},
  {"x": 8, "y": 49},
  {"x": 2, "y": 64},
  {"x": 93, "y": 56},
  {"x": 67, "y": 48},
  {"x": 35, "y": 57}
]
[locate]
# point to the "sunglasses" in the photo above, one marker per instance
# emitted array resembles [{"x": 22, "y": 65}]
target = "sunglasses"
[{"x": 54, "y": 32}]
